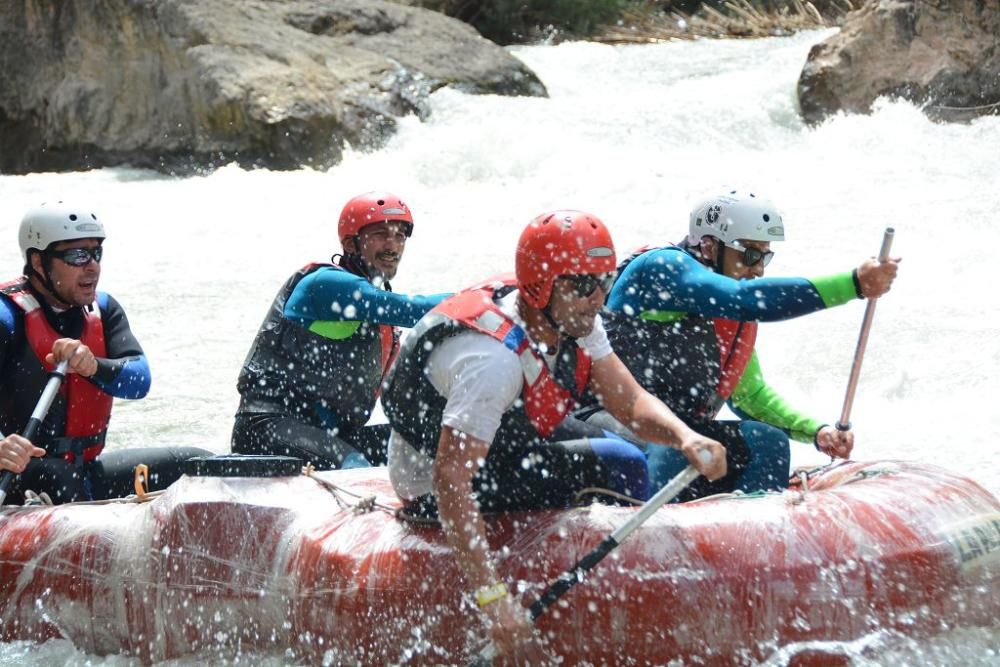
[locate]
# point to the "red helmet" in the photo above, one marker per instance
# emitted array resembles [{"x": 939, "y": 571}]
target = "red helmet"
[
  {"x": 561, "y": 243},
  {"x": 369, "y": 208}
]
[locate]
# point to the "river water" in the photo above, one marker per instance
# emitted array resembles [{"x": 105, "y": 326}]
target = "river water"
[{"x": 634, "y": 134}]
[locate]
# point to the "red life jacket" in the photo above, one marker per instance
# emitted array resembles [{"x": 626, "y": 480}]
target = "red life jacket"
[
  {"x": 390, "y": 348},
  {"x": 88, "y": 409},
  {"x": 736, "y": 341},
  {"x": 546, "y": 402}
]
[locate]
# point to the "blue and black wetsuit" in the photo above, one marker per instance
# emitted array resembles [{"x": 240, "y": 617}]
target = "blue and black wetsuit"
[
  {"x": 122, "y": 373},
  {"x": 312, "y": 376},
  {"x": 686, "y": 333}
]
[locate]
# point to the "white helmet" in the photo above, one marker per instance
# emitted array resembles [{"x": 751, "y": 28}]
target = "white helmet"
[
  {"x": 51, "y": 223},
  {"x": 735, "y": 215}
]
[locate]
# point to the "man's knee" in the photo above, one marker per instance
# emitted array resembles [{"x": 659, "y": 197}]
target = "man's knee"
[{"x": 626, "y": 465}]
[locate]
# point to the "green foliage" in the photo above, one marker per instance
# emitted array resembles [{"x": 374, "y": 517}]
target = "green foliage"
[{"x": 510, "y": 21}]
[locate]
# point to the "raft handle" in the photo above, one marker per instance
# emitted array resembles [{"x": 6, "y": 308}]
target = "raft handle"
[{"x": 141, "y": 481}]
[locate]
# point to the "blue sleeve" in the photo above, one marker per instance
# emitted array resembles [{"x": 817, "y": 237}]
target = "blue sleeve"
[
  {"x": 130, "y": 377},
  {"x": 8, "y": 322},
  {"x": 671, "y": 280},
  {"x": 334, "y": 295},
  {"x": 125, "y": 372}
]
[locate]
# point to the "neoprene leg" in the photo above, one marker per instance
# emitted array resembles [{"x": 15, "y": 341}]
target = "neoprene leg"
[
  {"x": 771, "y": 460},
  {"x": 284, "y": 436},
  {"x": 626, "y": 466},
  {"x": 112, "y": 475}
]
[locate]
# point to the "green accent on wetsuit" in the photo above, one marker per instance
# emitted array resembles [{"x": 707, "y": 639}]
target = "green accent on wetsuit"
[
  {"x": 753, "y": 396},
  {"x": 335, "y": 330},
  {"x": 837, "y": 289},
  {"x": 663, "y": 316}
]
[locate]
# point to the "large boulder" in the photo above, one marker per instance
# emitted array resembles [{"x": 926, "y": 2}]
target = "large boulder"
[
  {"x": 182, "y": 84},
  {"x": 942, "y": 54}
]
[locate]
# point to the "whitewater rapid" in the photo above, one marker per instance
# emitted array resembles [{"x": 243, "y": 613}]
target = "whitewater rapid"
[{"x": 634, "y": 134}]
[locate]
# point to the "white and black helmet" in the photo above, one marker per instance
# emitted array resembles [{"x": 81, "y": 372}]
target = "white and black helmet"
[
  {"x": 50, "y": 223},
  {"x": 733, "y": 215}
]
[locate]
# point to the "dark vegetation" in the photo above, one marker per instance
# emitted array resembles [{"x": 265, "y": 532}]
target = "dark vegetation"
[{"x": 623, "y": 21}]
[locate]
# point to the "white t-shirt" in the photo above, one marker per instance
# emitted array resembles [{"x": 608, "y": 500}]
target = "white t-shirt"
[{"x": 481, "y": 378}]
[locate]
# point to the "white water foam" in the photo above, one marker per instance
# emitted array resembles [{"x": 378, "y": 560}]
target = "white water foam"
[{"x": 634, "y": 134}]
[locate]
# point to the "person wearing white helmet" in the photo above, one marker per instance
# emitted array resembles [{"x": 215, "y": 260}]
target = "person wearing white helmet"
[
  {"x": 684, "y": 319},
  {"x": 311, "y": 378},
  {"x": 53, "y": 313}
]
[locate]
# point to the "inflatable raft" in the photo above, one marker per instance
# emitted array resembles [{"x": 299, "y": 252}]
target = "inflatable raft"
[{"x": 321, "y": 566}]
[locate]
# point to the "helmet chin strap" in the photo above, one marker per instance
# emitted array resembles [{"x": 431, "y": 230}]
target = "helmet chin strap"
[
  {"x": 719, "y": 250},
  {"x": 546, "y": 311},
  {"x": 356, "y": 264},
  {"x": 716, "y": 264},
  {"x": 46, "y": 280}
]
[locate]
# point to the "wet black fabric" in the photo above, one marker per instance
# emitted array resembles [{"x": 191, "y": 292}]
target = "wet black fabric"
[
  {"x": 678, "y": 362},
  {"x": 110, "y": 476},
  {"x": 535, "y": 474},
  {"x": 309, "y": 377},
  {"x": 287, "y": 436}
]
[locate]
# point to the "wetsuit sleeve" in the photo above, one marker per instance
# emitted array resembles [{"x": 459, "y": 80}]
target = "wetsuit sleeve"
[
  {"x": 340, "y": 296},
  {"x": 125, "y": 371},
  {"x": 8, "y": 324},
  {"x": 756, "y": 399},
  {"x": 672, "y": 281}
]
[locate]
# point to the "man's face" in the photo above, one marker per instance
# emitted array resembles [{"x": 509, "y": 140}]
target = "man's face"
[
  {"x": 74, "y": 277},
  {"x": 381, "y": 246},
  {"x": 737, "y": 264},
  {"x": 576, "y": 301}
]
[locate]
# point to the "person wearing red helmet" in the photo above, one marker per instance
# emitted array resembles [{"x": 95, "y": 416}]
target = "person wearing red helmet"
[
  {"x": 312, "y": 376},
  {"x": 478, "y": 398}
]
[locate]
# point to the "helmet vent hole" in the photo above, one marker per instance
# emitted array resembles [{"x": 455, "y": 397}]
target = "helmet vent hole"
[
  {"x": 767, "y": 218},
  {"x": 381, "y": 202},
  {"x": 72, "y": 216}
]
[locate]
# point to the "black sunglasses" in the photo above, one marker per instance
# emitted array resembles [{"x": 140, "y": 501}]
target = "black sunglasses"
[
  {"x": 753, "y": 256},
  {"x": 79, "y": 256},
  {"x": 585, "y": 284}
]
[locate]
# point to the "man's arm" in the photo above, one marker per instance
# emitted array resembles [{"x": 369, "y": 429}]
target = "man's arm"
[
  {"x": 125, "y": 372},
  {"x": 671, "y": 280},
  {"x": 329, "y": 295},
  {"x": 761, "y": 402},
  {"x": 8, "y": 323},
  {"x": 459, "y": 457},
  {"x": 649, "y": 417},
  {"x": 755, "y": 399}
]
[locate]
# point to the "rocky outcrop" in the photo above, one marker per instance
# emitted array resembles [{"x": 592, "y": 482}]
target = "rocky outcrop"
[
  {"x": 182, "y": 84},
  {"x": 941, "y": 54}
]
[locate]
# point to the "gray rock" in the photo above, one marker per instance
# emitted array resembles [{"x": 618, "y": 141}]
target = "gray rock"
[
  {"x": 942, "y": 54},
  {"x": 185, "y": 84}
]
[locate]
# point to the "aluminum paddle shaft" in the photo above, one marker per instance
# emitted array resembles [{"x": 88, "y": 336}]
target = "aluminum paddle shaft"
[
  {"x": 852, "y": 384},
  {"x": 36, "y": 419},
  {"x": 576, "y": 574}
]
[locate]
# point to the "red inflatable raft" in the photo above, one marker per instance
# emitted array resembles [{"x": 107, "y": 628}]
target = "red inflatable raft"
[{"x": 325, "y": 570}]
